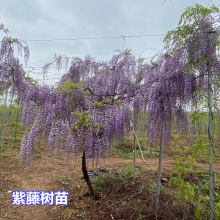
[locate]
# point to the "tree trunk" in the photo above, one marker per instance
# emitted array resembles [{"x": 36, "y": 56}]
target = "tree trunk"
[{"x": 94, "y": 194}]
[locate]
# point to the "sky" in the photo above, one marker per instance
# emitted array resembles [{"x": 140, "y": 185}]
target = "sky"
[{"x": 39, "y": 20}]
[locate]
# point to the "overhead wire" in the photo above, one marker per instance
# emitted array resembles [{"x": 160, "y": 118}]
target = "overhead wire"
[
  {"x": 123, "y": 37},
  {"x": 95, "y": 38}
]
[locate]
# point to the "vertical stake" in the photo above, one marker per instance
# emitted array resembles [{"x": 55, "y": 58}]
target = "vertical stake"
[
  {"x": 210, "y": 134},
  {"x": 159, "y": 169},
  {"x": 134, "y": 156}
]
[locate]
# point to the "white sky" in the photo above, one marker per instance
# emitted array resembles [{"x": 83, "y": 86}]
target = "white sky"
[{"x": 53, "y": 19}]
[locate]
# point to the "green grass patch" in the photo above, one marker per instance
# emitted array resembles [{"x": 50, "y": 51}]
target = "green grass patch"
[
  {"x": 114, "y": 183},
  {"x": 4, "y": 155},
  {"x": 18, "y": 138},
  {"x": 62, "y": 179},
  {"x": 37, "y": 156},
  {"x": 126, "y": 172},
  {"x": 125, "y": 149}
]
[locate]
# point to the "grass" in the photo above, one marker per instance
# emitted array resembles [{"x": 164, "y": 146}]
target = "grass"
[
  {"x": 151, "y": 155},
  {"x": 4, "y": 155},
  {"x": 82, "y": 215},
  {"x": 123, "y": 154},
  {"x": 106, "y": 183},
  {"x": 62, "y": 179},
  {"x": 17, "y": 139},
  {"x": 126, "y": 172},
  {"x": 125, "y": 149},
  {"x": 37, "y": 156},
  {"x": 120, "y": 153}
]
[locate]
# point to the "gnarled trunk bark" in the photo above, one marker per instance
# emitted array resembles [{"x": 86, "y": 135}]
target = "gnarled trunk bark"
[{"x": 94, "y": 194}]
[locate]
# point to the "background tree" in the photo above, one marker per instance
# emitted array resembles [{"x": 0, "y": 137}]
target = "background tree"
[{"x": 198, "y": 35}]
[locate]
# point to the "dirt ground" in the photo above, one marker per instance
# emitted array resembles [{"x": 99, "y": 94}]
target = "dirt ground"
[{"x": 45, "y": 173}]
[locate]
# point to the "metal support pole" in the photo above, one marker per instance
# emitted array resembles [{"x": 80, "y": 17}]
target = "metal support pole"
[
  {"x": 159, "y": 170},
  {"x": 135, "y": 135},
  {"x": 134, "y": 157},
  {"x": 210, "y": 134}
]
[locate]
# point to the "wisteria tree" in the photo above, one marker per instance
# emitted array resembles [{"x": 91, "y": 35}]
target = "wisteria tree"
[
  {"x": 89, "y": 108},
  {"x": 7, "y": 60},
  {"x": 168, "y": 97},
  {"x": 198, "y": 35},
  {"x": 91, "y": 105}
]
